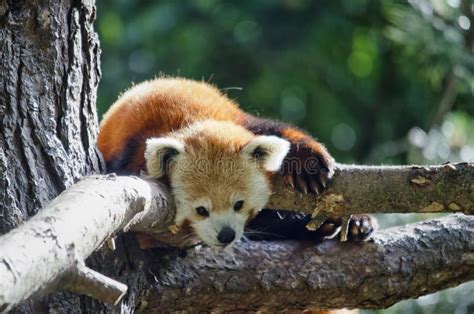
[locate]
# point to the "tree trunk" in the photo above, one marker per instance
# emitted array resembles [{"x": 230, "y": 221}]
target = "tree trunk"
[
  {"x": 49, "y": 69},
  {"x": 48, "y": 122}
]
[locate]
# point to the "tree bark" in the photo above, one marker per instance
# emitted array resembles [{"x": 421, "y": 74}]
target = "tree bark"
[
  {"x": 48, "y": 122},
  {"x": 383, "y": 189},
  {"x": 402, "y": 262}
]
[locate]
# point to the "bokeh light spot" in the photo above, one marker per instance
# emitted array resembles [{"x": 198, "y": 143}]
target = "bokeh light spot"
[
  {"x": 454, "y": 3},
  {"x": 417, "y": 137},
  {"x": 360, "y": 64},
  {"x": 467, "y": 153},
  {"x": 364, "y": 52},
  {"x": 111, "y": 27},
  {"x": 464, "y": 22},
  {"x": 343, "y": 137},
  {"x": 246, "y": 31}
]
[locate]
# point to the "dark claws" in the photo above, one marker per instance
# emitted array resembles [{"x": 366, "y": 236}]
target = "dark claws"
[
  {"x": 300, "y": 184},
  {"x": 310, "y": 177},
  {"x": 323, "y": 180},
  {"x": 313, "y": 185}
]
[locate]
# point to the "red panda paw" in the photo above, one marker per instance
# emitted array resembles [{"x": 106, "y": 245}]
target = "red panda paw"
[
  {"x": 308, "y": 169},
  {"x": 361, "y": 228}
]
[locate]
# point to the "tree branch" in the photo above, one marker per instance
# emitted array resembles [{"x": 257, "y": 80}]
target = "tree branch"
[
  {"x": 38, "y": 255},
  {"x": 42, "y": 254},
  {"x": 386, "y": 189},
  {"x": 403, "y": 262}
]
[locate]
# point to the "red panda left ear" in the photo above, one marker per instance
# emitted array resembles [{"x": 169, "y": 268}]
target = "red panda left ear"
[
  {"x": 269, "y": 151},
  {"x": 159, "y": 152}
]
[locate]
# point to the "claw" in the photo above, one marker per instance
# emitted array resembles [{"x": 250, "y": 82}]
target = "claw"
[
  {"x": 300, "y": 184},
  {"x": 325, "y": 176},
  {"x": 365, "y": 226},
  {"x": 354, "y": 231},
  {"x": 361, "y": 228},
  {"x": 313, "y": 185},
  {"x": 323, "y": 179},
  {"x": 174, "y": 229}
]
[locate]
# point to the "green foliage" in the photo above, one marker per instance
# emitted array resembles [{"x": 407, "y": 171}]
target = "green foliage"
[
  {"x": 355, "y": 74},
  {"x": 434, "y": 40},
  {"x": 377, "y": 81}
]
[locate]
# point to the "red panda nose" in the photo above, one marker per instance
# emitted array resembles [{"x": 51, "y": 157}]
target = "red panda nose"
[{"x": 226, "y": 235}]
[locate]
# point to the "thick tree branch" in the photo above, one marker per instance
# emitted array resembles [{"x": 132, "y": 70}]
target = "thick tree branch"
[
  {"x": 383, "y": 189},
  {"x": 39, "y": 255},
  {"x": 386, "y": 189},
  {"x": 403, "y": 262}
]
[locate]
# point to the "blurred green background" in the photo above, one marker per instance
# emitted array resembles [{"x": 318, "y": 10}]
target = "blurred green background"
[{"x": 387, "y": 82}]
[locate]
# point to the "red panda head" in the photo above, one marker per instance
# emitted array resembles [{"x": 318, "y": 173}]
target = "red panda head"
[{"x": 219, "y": 175}]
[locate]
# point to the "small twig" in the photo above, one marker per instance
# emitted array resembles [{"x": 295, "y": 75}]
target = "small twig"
[{"x": 84, "y": 280}]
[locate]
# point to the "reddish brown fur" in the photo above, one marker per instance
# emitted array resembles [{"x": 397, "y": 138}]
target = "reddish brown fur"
[{"x": 157, "y": 107}]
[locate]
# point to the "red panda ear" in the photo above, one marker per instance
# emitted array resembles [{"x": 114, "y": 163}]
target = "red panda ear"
[
  {"x": 159, "y": 152},
  {"x": 269, "y": 151}
]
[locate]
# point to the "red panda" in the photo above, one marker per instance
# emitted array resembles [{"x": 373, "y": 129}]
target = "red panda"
[{"x": 217, "y": 160}]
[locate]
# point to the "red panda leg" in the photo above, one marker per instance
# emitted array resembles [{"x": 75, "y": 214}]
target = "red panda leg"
[
  {"x": 289, "y": 225},
  {"x": 308, "y": 167}
]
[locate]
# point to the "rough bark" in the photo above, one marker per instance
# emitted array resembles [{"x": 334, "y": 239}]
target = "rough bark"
[
  {"x": 403, "y": 262},
  {"x": 383, "y": 189},
  {"x": 376, "y": 189},
  {"x": 48, "y": 124}
]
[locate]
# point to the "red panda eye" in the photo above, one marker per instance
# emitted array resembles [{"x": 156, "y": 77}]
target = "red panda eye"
[
  {"x": 202, "y": 211},
  {"x": 238, "y": 205}
]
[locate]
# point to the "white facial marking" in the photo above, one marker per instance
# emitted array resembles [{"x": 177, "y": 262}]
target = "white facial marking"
[{"x": 208, "y": 229}]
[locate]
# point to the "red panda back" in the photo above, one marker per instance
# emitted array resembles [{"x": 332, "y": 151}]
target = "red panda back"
[{"x": 155, "y": 108}]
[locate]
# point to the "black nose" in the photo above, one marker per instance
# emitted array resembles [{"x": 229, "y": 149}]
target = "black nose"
[{"x": 226, "y": 235}]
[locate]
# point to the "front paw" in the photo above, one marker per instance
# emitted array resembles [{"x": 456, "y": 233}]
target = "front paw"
[
  {"x": 361, "y": 227},
  {"x": 308, "y": 168}
]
